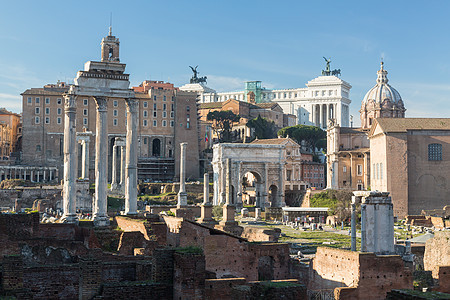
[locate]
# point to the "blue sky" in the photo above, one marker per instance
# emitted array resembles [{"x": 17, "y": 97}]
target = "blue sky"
[{"x": 278, "y": 42}]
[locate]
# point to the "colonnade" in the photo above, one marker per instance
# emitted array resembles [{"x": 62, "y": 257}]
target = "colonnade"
[
  {"x": 322, "y": 113},
  {"x": 34, "y": 174},
  {"x": 100, "y": 204}
]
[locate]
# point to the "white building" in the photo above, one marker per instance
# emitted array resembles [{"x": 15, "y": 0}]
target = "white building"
[{"x": 324, "y": 98}]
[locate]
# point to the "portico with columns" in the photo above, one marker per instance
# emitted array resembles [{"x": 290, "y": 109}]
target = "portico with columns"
[
  {"x": 118, "y": 164},
  {"x": 103, "y": 81}
]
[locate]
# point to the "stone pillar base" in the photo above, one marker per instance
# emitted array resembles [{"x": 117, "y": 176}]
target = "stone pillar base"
[
  {"x": 228, "y": 216},
  {"x": 101, "y": 221},
  {"x": 70, "y": 218},
  {"x": 206, "y": 215},
  {"x": 182, "y": 199},
  {"x": 183, "y": 212}
]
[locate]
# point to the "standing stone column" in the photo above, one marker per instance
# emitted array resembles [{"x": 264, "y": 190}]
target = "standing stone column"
[
  {"x": 206, "y": 207},
  {"x": 113, "y": 169},
  {"x": 182, "y": 195},
  {"x": 70, "y": 160},
  {"x": 131, "y": 157},
  {"x": 85, "y": 160},
  {"x": 228, "y": 208},
  {"x": 100, "y": 205},
  {"x": 353, "y": 224},
  {"x": 122, "y": 168}
]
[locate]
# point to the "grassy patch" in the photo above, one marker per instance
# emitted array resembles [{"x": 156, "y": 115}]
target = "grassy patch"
[{"x": 115, "y": 203}]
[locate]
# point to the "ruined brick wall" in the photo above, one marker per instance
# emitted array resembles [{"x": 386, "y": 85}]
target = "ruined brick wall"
[
  {"x": 220, "y": 289},
  {"x": 437, "y": 252},
  {"x": 52, "y": 282},
  {"x": 189, "y": 276},
  {"x": 26, "y": 195},
  {"x": 258, "y": 234},
  {"x": 136, "y": 291},
  {"x": 443, "y": 273},
  {"x": 373, "y": 275},
  {"x": 333, "y": 268}
]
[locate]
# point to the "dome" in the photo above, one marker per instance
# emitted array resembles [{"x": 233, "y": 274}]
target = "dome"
[{"x": 382, "y": 91}]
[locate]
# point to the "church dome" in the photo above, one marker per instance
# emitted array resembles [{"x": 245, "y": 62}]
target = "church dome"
[{"x": 382, "y": 93}]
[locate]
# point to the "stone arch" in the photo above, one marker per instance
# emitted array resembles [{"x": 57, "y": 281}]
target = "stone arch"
[
  {"x": 273, "y": 195},
  {"x": 252, "y": 188}
]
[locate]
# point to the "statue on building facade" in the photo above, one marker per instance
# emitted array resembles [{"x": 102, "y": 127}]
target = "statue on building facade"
[
  {"x": 328, "y": 71},
  {"x": 195, "y": 78}
]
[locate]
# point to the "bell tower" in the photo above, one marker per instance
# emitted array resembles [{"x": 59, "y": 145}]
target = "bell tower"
[{"x": 110, "y": 48}]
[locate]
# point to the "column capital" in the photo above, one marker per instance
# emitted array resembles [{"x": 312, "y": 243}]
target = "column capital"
[
  {"x": 70, "y": 103},
  {"x": 101, "y": 103},
  {"x": 132, "y": 105}
]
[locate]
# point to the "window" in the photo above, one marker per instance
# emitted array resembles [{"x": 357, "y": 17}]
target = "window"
[
  {"x": 47, "y": 120},
  {"x": 154, "y": 123},
  {"x": 36, "y": 110},
  {"x": 154, "y": 114},
  {"x": 173, "y": 98},
  {"x": 154, "y": 106},
  {"x": 59, "y": 101},
  {"x": 47, "y": 100},
  {"x": 154, "y": 98},
  {"x": 115, "y": 103},
  {"x": 171, "y": 114},
  {"x": 171, "y": 107},
  {"x": 85, "y": 112},
  {"x": 435, "y": 152},
  {"x": 58, "y": 120},
  {"x": 85, "y": 121},
  {"x": 145, "y": 113},
  {"x": 115, "y": 122},
  {"x": 378, "y": 171},
  {"x": 164, "y": 98},
  {"x": 115, "y": 113},
  {"x": 145, "y": 104},
  {"x": 164, "y": 123},
  {"x": 164, "y": 114},
  {"x": 47, "y": 110},
  {"x": 164, "y": 106},
  {"x": 59, "y": 110},
  {"x": 381, "y": 170},
  {"x": 171, "y": 123},
  {"x": 188, "y": 108},
  {"x": 29, "y": 101},
  {"x": 37, "y": 100},
  {"x": 38, "y": 148},
  {"x": 344, "y": 169},
  {"x": 37, "y": 120},
  {"x": 145, "y": 123},
  {"x": 359, "y": 170},
  {"x": 85, "y": 102},
  {"x": 145, "y": 141},
  {"x": 188, "y": 125}
]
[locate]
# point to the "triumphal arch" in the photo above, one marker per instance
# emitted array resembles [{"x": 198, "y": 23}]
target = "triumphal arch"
[{"x": 265, "y": 163}]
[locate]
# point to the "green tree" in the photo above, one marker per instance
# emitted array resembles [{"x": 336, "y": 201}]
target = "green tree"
[
  {"x": 311, "y": 136},
  {"x": 264, "y": 128},
  {"x": 339, "y": 203},
  {"x": 222, "y": 123}
]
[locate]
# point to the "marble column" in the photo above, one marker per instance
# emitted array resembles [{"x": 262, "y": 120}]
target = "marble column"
[
  {"x": 131, "y": 157},
  {"x": 206, "y": 207},
  {"x": 85, "y": 157},
  {"x": 100, "y": 205},
  {"x": 70, "y": 160},
  {"x": 353, "y": 224},
  {"x": 122, "y": 167},
  {"x": 114, "y": 169},
  {"x": 182, "y": 195},
  {"x": 228, "y": 208}
]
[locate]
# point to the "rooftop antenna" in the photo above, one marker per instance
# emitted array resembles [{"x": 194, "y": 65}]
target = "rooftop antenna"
[{"x": 110, "y": 24}]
